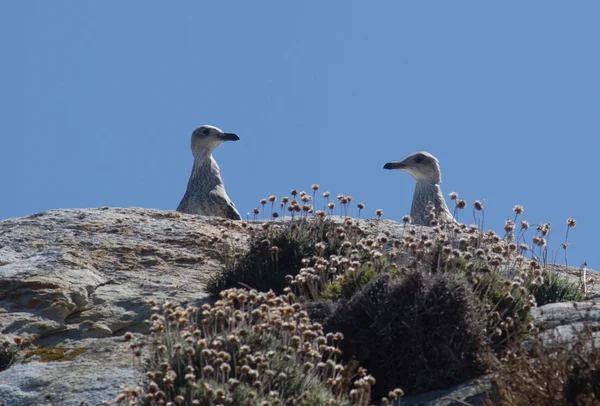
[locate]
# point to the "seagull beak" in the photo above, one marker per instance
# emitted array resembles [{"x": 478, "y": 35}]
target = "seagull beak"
[
  {"x": 395, "y": 165},
  {"x": 230, "y": 137}
]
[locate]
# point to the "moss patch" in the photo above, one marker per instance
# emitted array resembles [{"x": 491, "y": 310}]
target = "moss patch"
[{"x": 54, "y": 354}]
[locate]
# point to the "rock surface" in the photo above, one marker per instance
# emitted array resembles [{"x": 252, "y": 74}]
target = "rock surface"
[
  {"x": 94, "y": 375},
  {"x": 81, "y": 278},
  {"x": 72, "y": 282}
]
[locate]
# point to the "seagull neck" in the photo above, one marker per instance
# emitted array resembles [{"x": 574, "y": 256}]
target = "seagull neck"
[
  {"x": 204, "y": 158},
  {"x": 206, "y": 167},
  {"x": 202, "y": 154},
  {"x": 427, "y": 192}
]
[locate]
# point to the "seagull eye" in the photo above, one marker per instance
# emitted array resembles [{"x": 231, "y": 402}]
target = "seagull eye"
[
  {"x": 419, "y": 159},
  {"x": 206, "y": 132}
]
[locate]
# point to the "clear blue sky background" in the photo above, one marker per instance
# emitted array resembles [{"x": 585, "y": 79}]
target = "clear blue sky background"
[{"x": 98, "y": 101}]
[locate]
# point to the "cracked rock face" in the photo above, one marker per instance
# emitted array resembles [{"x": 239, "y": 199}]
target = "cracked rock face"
[
  {"x": 90, "y": 271},
  {"x": 74, "y": 281},
  {"x": 81, "y": 278}
]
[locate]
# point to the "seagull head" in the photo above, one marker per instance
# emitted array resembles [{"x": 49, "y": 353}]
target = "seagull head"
[
  {"x": 207, "y": 137},
  {"x": 423, "y": 166}
]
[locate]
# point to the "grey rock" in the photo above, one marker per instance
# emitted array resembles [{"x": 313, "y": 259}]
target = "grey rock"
[
  {"x": 559, "y": 314},
  {"x": 561, "y": 323},
  {"x": 469, "y": 393},
  {"x": 94, "y": 376},
  {"x": 81, "y": 278}
]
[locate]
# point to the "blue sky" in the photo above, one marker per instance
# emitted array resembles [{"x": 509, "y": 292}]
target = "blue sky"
[{"x": 99, "y": 99}]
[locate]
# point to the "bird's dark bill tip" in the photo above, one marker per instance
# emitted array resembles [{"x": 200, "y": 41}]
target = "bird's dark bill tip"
[
  {"x": 230, "y": 137},
  {"x": 393, "y": 165}
]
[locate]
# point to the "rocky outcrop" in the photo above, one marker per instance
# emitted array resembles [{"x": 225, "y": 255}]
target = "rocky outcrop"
[
  {"x": 79, "y": 279},
  {"x": 72, "y": 282}
]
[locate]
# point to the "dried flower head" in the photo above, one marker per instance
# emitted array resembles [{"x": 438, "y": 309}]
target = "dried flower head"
[
  {"x": 571, "y": 222},
  {"x": 477, "y": 205},
  {"x": 543, "y": 228},
  {"x": 315, "y": 187},
  {"x": 518, "y": 209},
  {"x": 461, "y": 204},
  {"x": 453, "y": 195},
  {"x": 379, "y": 212},
  {"x": 272, "y": 198}
]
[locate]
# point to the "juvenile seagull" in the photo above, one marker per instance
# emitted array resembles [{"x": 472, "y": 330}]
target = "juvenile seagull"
[
  {"x": 205, "y": 194},
  {"x": 425, "y": 168}
]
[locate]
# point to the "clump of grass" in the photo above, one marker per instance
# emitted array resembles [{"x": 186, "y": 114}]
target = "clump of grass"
[
  {"x": 278, "y": 250},
  {"x": 340, "y": 275},
  {"x": 507, "y": 303},
  {"x": 347, "y": 284},
  {"x": 250, "y": 348},
  {"x": 555, "y": 288},
  {"x": 507, "y": 306},
  {"x": 540, "y": 374},
  {"x": 425, "y": 331},
  {"x": 494, "y": 273}
]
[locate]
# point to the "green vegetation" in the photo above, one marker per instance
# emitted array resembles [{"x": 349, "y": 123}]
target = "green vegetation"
[
  {"x": 429, "y": 323},
  {"x": 419, "y": 307},
  {"x": 250, "y": 348},
  {"x": 328, "y": 262},
  {"x": 275, "y": 251},
  {"x": 555, "y": 288}
]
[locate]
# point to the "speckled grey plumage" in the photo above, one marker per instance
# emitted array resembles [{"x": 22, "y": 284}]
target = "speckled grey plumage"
[
  {"x": 425, "y": 168},
  {"x": 205, "y": 194},
  {"x": 424, "y": 194}
]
